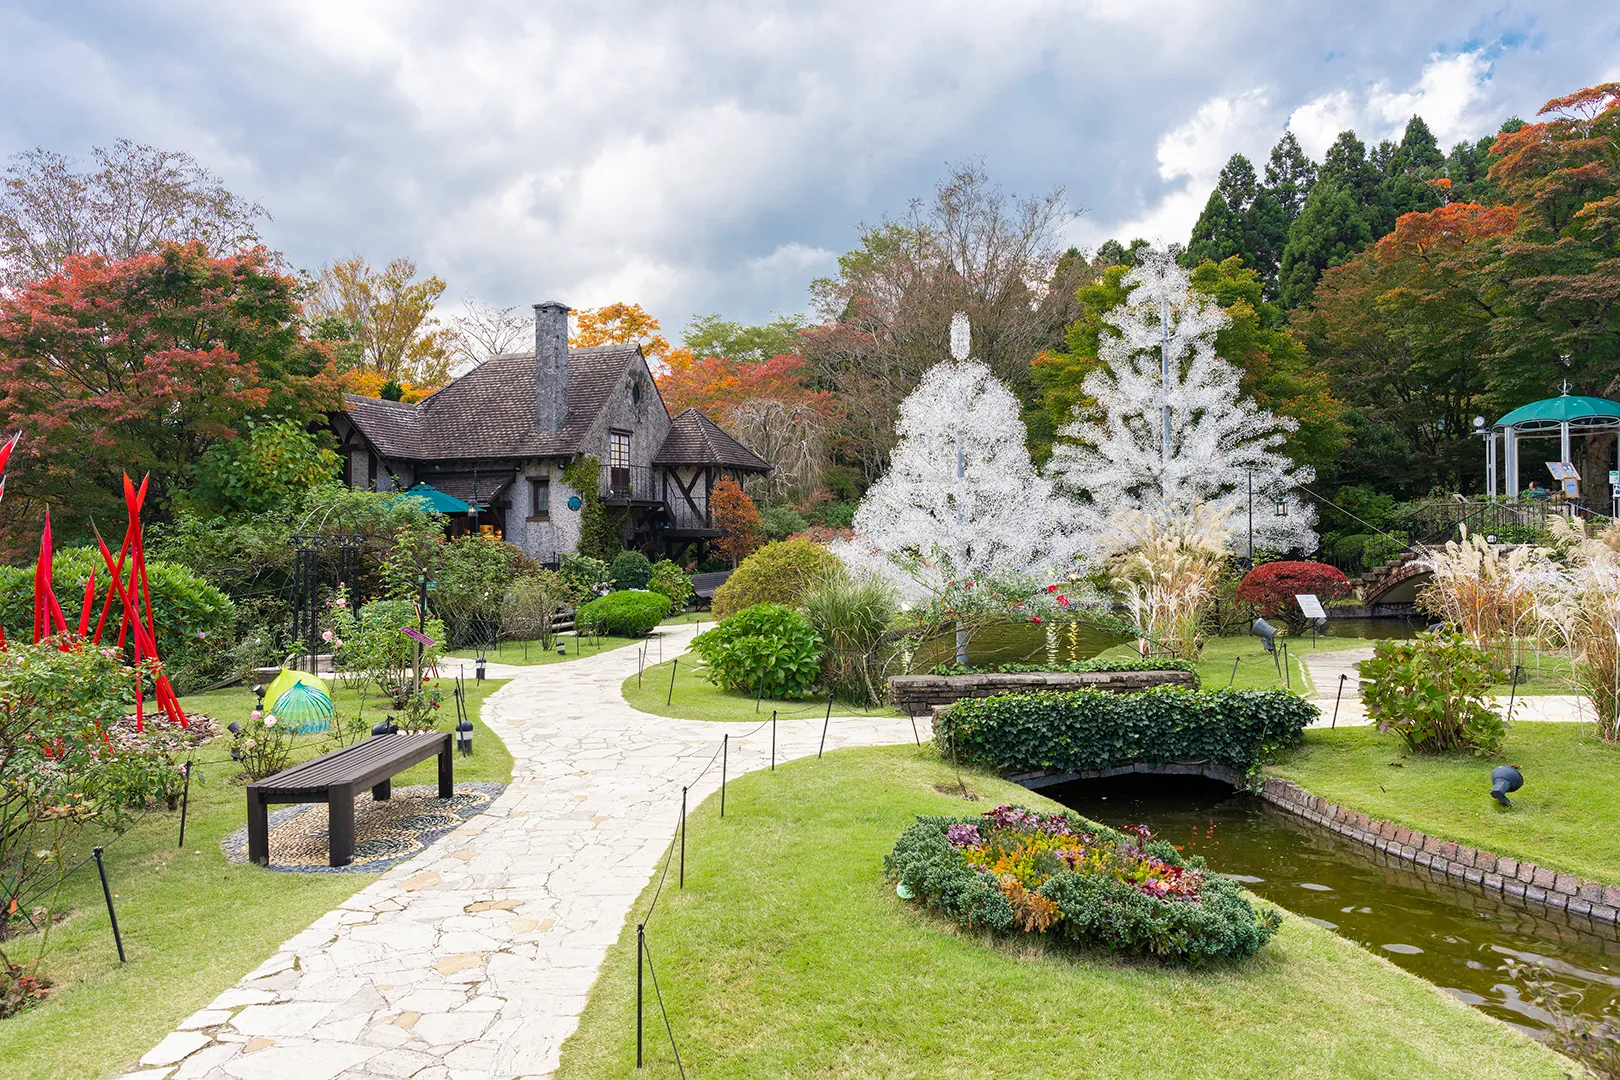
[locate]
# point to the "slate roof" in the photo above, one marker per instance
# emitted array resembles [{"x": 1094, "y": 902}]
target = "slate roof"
[
  {"x": 486, "y": 487},
  {"x": 694, "y": 439},
  {"x": 489, "y": 412}
]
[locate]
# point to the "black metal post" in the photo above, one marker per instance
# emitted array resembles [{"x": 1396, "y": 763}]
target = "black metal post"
[
  {"x": 1513, "y": 692},
  {"x": 1336, "y": 698},
  {"x": 185, "y": 802},
  {"x": 683, "y": 837},
  {"x": 641, "y": 951},
  {"x": 725, "y": 756},
  {"x": 106, "y": 891},
  {"x": 915, "y": 737},
  {"x": 824, "y": 724},
  {"x": 773, "y": 740},
  {"x": 1233, "y": 679},
  {"x": 1288, "y": 670},
  {"x": 673, "y": 665}
]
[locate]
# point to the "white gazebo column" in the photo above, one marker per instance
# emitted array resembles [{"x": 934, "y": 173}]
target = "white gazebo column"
[
  {"x": 1490, "y": 464},
  {"x": 1563, "y": 442},
  {"x": 1510, "y": 449}
]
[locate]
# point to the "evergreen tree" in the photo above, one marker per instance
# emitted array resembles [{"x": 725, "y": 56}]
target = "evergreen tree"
[
  {"x": 1409, "y": 178},
  {"x": 1230, "y": 223},
  {"x": 1330, "y": 229},
  {"x": 1289, "y": 176},
  {"x": 1115, "y": 460}
]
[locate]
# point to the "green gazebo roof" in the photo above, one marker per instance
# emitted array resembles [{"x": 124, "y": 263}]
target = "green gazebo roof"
[
  {"x": 438, "y": 500},
  {"x": 1560, "y": 410}
]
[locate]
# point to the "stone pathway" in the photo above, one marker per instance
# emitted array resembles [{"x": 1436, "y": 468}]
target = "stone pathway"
[
  {"x": 1326, "y": 667},
  {"x": 473, "y": 959}
]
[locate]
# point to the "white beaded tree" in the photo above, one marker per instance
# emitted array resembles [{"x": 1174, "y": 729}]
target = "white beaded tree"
[
  {"x": 1171, "y": 430},
  {"x": 961, "y": 498}
]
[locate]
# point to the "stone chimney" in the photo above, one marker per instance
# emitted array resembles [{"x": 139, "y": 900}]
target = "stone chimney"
[{"x": 550, "y": 365}]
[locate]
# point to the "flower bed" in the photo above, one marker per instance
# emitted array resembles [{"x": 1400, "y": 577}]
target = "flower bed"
[{"x": 1014, "y": 871}]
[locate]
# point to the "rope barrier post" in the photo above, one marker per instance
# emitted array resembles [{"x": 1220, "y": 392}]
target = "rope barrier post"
[
  {"x": 1233, "y": 679},
  {"x": 725, "y": 756},
  {"x": 641, "y": 951},
  {"x": 106, "y": 891},
  {"x": 824, "y": 724},
  {"x": 1513, "y": 692},
  {"x": 1336, "y": 697},
  {"x": 185, "y": 802},
  {"x": 915, "y": 737},
  {"x": 683, "y": 837},
  {"x": 673, "y": 667}
]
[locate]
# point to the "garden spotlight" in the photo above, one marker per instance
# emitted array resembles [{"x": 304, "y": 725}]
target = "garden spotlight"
[
  {"x": 234, "y": 728},
  {"x": 384, "y": 727},
  {"x": 562, "y": 647},
  {"x": 258, "y": 692},
  {"x": 464, "y": 731},
  {"x": 1505, "y": 779},
  {"x": 1266, "y": 633},
  {"x": 479, "y": 669}
]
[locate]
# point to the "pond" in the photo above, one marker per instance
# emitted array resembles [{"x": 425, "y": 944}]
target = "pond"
[{"x": 1455, "y": 935}]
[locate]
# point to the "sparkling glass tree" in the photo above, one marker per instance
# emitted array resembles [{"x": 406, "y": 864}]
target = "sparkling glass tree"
[
  {"x": 961, "y": 499},
  {"x": 1171, "y": 430}
]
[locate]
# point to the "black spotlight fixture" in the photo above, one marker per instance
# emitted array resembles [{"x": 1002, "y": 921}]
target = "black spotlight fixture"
[
  {"x": 258, "y": 692},
  {"x": 385, "y": 726},
  {"x": 1505, "y": 779},
  {"x": 1266, "y": 633},
  {"x": 234, "y": 728},
  {"x": 464, "y": 737}
]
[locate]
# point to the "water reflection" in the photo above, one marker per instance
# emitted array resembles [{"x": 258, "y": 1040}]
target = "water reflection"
[{"x": 1451, "y": 933}]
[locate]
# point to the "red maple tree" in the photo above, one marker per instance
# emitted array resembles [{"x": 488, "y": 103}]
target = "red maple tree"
[{"x": 735, "y": 514}]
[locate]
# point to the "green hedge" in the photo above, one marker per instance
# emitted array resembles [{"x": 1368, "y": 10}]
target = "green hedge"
[
  {"x": 1094, "y": 729},
  {"x": 627, "y": 613},
  {"x": 1079, "y": 667}
]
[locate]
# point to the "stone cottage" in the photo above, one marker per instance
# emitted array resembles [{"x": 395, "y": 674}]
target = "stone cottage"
[{"x": 490, "y": 447}]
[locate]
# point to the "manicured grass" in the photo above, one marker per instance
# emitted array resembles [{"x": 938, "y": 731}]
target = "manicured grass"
[
  {"x": 1564, "y": 818},
  {"x": 696, "y": 698},
  {"x": 193, "y": 923},
  {"x": 512, "y": 652},
  {"x": 1256, "y": 670},
  {"x": 686, "y": 617},
  {"x": 788, "y": 955}
]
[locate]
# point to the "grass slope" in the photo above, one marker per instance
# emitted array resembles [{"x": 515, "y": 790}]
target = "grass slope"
[
  {"x": 512, "y": 652},
  {"x": 1565, "y": 817},
  {"x": 696, "y": 698},
  {"x": 1256, "y": 670},
  {"x": 788, "y": 955},
  {"x": 193, "y": 923}
]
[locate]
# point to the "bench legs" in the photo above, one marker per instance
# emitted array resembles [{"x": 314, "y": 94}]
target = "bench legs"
[
  {"x": 340, "y": 824},
  {"x": 447, "y": 771},
  {"x": 383, "y": 791},
  {"x": 258, "y": 828}
]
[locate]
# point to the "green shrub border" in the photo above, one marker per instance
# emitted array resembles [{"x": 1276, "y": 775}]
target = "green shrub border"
[
  {"x": 1079, "y": 667},
  {"x": 1084, "y": 730}
]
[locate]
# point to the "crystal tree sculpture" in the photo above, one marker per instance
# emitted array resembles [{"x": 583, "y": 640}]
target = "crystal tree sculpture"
[
  {"x": 1171, "y": 430},
  {"x": 961, "y": 500}
]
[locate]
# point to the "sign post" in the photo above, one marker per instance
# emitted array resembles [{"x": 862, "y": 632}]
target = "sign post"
[{"x": 1312, "y": 609}]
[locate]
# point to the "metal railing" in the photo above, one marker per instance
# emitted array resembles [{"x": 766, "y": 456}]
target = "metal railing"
[{"x": 638, "y": 483}]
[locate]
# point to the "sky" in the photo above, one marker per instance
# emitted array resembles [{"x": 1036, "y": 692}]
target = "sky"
[{"x": 717, "y": 157}]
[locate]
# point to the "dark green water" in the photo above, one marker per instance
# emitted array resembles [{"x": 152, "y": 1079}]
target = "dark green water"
[{"x": 1452, "y": 934}]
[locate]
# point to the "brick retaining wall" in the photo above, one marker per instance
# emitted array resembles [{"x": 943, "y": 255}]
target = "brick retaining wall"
[
  {"x": 1494, "y": 873},
  {"x": 919, "y": 695}
]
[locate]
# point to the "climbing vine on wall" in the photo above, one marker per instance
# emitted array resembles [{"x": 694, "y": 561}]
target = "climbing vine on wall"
[{"x": 598, "y": 533}]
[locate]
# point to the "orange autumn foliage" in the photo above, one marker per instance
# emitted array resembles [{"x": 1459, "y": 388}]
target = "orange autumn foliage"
[
  {"x": 370, "y": 383},
  {"x": 714, "y": 384},
  {"x": 735, "y": 514},
  {"x": 619, "y": 324}
]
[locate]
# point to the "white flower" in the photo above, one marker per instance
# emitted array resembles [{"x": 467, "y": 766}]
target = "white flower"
[
  {"x": 326, "y": 635},
  {"x": 270, "y": 721}
]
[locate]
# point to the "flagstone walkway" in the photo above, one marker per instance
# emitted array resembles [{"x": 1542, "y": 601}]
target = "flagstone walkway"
[
  {"x": 473, "y": 959},
  {"x": 1326, "y": 668}
]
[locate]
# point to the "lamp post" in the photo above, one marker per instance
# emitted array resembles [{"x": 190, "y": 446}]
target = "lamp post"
[{"x": 464, "y": 731}]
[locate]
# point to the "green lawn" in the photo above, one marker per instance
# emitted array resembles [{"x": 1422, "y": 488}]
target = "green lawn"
[
  {"x": 1256, "y": 669},
  {"x": 193, "y": 924},
  {"x": 514, "y": 652},
  {"x": 1565, "y": 817},
  {"x": 788, "y": 955},
  {"x": 696, "y": 698}
]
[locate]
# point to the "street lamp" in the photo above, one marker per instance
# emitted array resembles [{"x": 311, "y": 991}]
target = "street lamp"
[{"x": 464, "y": 731}]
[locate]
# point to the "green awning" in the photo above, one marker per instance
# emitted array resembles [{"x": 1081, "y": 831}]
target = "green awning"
[
  {"x": 438, "y": 500},
  {"x": 1560, "y": 410}
]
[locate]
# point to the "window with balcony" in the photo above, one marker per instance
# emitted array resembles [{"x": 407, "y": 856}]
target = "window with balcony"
[{"x": 619, "y": 463}]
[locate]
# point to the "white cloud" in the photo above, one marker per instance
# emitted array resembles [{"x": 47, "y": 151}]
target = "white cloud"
[
  {"x": 1451, "y": 95},
  {"x": 793, "y": 257}
]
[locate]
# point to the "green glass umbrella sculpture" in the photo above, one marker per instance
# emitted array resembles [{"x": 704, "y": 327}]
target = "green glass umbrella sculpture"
[{"x": 303, "y": 708}]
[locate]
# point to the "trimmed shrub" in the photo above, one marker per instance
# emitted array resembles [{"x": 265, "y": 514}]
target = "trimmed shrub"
[
  {"x": 1011, "y": 870},
  {"x": 781, "y": 522},
  {"x": 767, "y": 641},
  {"x": 673, "y": 582},
  {"x": 1079, "y": 667},
  {"x": 1077, "y": 730},
  {"x": 626, "y": 613},
  {"x": 630, "y": 570},
  {"x": 778, "y": 573},
  {"x": 1431, "y": 691},
  {"x": 584, "y": 577},
  {"x": 1271, "y": 587},
  {"x": 194, "y": 619}
]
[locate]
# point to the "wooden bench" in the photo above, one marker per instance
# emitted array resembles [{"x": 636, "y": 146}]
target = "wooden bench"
[{"x": 335, "y": 778}]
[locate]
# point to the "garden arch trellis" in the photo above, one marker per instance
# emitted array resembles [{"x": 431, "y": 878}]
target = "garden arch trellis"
[{"x": 308, "y": 549}]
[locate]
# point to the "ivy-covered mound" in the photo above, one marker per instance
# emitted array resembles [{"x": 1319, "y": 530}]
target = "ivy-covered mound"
[
  {"x": 1093, "y": 729},
  {"x": 1015, "y": 871}
]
